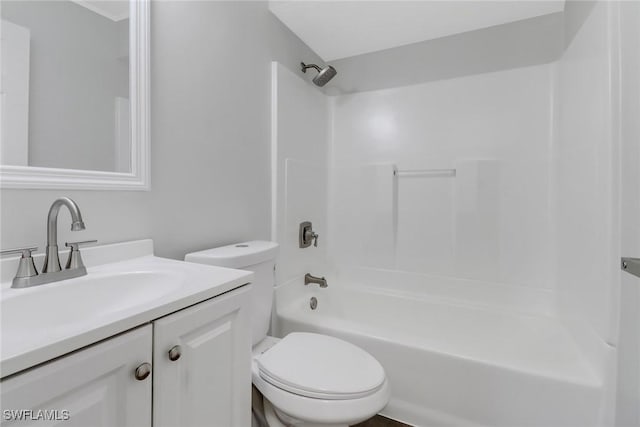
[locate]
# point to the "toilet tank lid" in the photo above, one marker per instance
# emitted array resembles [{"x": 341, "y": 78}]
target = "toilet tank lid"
[{"x": 237, "y": 255}]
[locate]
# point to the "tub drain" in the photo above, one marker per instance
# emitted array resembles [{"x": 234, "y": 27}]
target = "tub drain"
[{"x": 313, "y": 303}]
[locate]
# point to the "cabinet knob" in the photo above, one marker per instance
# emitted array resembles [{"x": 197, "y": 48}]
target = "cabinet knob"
[
  {"x": 175, "y": 352},
  {"x": 143, "y": 371}
]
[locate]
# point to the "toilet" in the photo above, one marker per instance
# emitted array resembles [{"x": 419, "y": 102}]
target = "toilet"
[{"x": 305, "y": 379}]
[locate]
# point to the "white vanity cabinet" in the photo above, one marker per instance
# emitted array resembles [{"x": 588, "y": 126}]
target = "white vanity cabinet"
[
  {"x": 208, "y": 382},
  {"x": 95, "y": 386},
  {"x": 202, "y": 364}
]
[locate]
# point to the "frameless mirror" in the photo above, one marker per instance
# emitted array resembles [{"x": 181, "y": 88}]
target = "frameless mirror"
[{"x": 74, "y": 94}]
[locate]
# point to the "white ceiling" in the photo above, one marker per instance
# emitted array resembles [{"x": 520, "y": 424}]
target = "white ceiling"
[
  {"x": 339, "y": 29},
  {"x": 116, "y": 10}
]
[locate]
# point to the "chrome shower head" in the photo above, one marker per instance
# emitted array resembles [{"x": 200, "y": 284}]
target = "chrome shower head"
[{"x": 324, "y": 74}]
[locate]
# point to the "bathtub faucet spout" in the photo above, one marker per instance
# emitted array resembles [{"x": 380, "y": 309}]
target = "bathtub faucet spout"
[{"x": 317, "y": 280}]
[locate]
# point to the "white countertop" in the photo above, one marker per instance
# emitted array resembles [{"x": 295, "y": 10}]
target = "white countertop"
[{"x": 43, "y": 322}]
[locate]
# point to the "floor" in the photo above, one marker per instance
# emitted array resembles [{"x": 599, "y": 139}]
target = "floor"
[{"x": 380, "y": 421}]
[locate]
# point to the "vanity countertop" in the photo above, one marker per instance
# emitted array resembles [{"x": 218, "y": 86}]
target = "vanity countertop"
[{"x": 126, "y": 286}]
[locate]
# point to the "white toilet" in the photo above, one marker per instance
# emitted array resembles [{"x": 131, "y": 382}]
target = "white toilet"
[{"x": 306, "y": 379}]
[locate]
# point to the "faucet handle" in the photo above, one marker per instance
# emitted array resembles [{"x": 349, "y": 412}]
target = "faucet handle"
[
  {"x": 76, "y": 245},
  {"x": 26, "y": 251},
  {"x": 74, "y": 261},
  {"x": 26, "y": 267}
]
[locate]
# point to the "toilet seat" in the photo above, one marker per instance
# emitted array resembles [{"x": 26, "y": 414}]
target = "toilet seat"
[
  {"x": 344, "y": 410},
  {"x": 321, "y": 367}
]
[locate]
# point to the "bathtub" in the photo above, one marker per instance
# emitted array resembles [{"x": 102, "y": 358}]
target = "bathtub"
[{"x": 456, "y": 353}]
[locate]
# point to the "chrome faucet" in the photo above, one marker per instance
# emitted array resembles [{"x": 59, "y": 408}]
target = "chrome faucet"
[
  {"x": 308, "y": 278},
  {"x": 27, "y": 274},
  {"x": 52, "y": 259}
]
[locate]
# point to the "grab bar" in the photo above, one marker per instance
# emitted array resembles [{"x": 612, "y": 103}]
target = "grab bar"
[
  {"x": 631, "y": 266},
  {"x": 427, "y": 173}
]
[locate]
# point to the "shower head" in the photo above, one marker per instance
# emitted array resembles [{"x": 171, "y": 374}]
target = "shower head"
[{"x": 324, "y": 74}]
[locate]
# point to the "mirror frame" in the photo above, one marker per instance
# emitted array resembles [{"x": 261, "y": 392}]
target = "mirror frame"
[{"x": 42, "y": 178}]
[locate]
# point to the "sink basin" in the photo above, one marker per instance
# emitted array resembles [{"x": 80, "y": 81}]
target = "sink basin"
[
  {"x": 76, "y": 301},
  {"x": 126, "y": 286}
]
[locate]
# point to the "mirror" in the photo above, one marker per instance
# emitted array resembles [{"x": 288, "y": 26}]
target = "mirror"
[{"x": 74, "y": 94}]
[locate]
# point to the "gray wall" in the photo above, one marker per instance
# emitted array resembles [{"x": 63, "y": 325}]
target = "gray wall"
[
  {"x": 210, "y": 137},
  {"x": 77, "y": 69},
  {"x": 502, "y": 47}
]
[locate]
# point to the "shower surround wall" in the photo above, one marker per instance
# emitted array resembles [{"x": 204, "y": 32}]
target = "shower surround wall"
[
  {"x": 490, "y": 222},
  {"x": 300, "y": 117},
  {"x": 597, "y": 200},
  {"x": 534, "y": 203},
  {"x": 392, "y": 240},
  {"x": 586, "y": 167},
  {"x": 540, "y": 151}
]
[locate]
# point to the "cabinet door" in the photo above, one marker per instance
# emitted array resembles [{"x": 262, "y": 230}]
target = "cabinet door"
[
  {"x": 210, "y": 383},
  {"x": 95, "y": 386}
]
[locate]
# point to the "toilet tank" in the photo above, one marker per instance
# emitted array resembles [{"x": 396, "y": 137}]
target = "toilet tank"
[{"x": 257, "y": 256}]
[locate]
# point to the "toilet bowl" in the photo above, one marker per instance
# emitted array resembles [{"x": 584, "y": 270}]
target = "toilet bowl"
[
  {"x": 316, "y": 380},
  {"x": 306, "y": 380}
]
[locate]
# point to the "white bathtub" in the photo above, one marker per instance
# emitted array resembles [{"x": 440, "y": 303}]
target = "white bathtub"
[{"x": 455, "y": 352}]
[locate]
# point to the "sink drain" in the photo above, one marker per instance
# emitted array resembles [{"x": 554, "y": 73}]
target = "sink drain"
[{"x": 313, "y": 303}]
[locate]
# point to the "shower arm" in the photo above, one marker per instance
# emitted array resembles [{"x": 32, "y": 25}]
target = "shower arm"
[{"x": 305, "y": 66}]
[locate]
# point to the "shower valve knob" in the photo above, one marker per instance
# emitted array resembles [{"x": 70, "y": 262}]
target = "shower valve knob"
[
  {"x": 307, "y": 235},
  {"x": 312, "y": 236}
]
